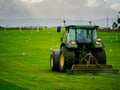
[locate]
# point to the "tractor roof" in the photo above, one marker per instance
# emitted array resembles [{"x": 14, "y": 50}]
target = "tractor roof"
[{"x": 82, "y": 26}]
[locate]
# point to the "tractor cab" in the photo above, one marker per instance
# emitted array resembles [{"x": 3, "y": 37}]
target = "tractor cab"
[{"x": 81, "y": 34}]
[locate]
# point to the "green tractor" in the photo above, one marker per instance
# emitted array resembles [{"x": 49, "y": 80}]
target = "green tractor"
[{"x": 80, "y": 50}]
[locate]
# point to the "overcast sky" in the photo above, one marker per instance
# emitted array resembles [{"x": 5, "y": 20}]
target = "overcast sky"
[{"x": 68, "y": 9}]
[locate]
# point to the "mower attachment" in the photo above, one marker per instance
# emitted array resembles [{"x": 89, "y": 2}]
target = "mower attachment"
[{"x": 93, "y": 68}]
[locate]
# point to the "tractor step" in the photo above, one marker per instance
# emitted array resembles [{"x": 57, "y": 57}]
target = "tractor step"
[{"x": 93, "y": 68}]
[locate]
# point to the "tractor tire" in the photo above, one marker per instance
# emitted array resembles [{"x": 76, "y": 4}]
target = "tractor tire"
[
  {"x": 67, "y": 59},
  {"x": 100, "y": 55},
  {"x": 54, "y": 60}
]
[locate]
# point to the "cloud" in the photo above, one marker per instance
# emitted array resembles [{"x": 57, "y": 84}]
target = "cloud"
[
  {"x": 92, "y": 3},
  {"x": 115, "y": 6},
  {"x": 32, "y": 1},
  {"x": 13, "y": 9},
  {"x": 68, "y": 8},
  {"x": 57, "y": 8},
  {"x": 71, "y": 9}
]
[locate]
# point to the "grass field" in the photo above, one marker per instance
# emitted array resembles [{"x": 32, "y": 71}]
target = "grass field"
[{"x": 24, "y": 62}]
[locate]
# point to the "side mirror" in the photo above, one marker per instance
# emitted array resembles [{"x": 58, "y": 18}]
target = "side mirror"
[{"x": 58, "y": 29}]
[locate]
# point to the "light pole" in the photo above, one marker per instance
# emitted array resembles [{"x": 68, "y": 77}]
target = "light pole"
[{"x": 64, "y": 21}]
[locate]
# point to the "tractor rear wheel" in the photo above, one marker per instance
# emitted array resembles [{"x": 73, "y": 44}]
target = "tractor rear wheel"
[
  {"x": 54, "y": 60},
  {"x": 67, "y": 59},
  {"x": 100, "y": 55}
]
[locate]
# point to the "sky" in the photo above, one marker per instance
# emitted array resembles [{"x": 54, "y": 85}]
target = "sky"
[{"x": 68, "y": 9}]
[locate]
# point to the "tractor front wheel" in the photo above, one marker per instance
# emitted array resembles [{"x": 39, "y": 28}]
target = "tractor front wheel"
[{"x": 54, "y": 60}]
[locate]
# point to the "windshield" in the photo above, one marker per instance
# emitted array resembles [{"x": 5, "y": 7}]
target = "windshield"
[
  {"x": 81, "y": 35},
  {"x": 84, "y": 35}
]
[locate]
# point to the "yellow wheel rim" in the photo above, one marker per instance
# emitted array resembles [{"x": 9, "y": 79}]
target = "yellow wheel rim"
[
  {"x": 51, "y": 61},
  {"x": 62, "y": 60}
]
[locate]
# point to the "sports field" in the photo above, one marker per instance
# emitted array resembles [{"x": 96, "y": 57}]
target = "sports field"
[{"x": 24, "y": 62}]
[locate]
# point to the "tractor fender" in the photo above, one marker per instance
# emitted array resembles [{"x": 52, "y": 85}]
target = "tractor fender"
[
  {"x": 68, "y": 45},
  {"x": 65, "y": 44},
  {"x": 100, "y": 46},
  {"x": 103, "y": 45}
]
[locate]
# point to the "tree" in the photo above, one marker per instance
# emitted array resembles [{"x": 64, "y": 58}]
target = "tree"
[
  {"x": 118, "y": 20},
  {"x": 115, "y": 25},
  {"x": 1, "y": 27}
]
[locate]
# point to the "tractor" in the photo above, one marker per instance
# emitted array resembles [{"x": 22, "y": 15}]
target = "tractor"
[{"x": 80, "y": 50}]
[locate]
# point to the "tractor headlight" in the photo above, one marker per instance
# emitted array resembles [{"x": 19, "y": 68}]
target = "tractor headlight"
[
  {"x": 98, "y": 43},
  {"x": 73, "y": 43}
]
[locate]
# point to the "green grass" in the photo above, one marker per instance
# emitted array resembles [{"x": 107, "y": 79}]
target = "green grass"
[
  {"x": 9, "y": 86},
  {"x": 24, "y": 62}
]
